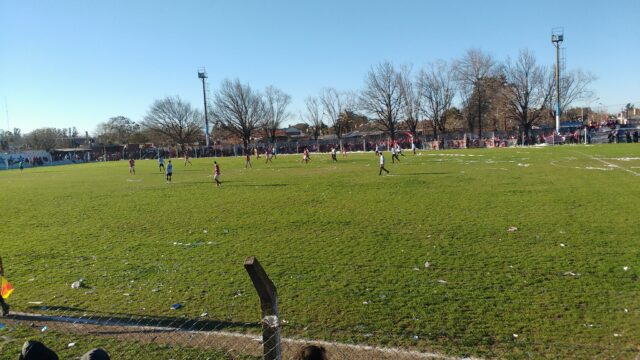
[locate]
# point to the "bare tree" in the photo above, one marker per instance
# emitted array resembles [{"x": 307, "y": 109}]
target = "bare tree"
[
  {"x": 116, "y": 130},
  {"x": 438, "y": 89},
  {"x": 314, "y": 116},
  {"x": 528, "y": 90},
  {"x": 276, "y": 113},
  {"x": 239, "y": 109},
  {"x": 175, "y": 120},
  {"x": 382, "y": 97},
  {"x": 472, "y": 74},
  {"x": 412, "y": 97},
  {"x": 574, "y": 85},
  {"x": 45, "y": 138},
  {"x": 334, "y": 104}
]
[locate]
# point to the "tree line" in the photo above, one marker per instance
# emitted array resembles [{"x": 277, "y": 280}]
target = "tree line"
[{"x": 475, "y": 93}]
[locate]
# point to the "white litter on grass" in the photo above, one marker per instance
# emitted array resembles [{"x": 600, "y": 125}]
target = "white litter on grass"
[
  {"x": 523, "y": 165},
  {"x": 454, "y": 155},
  {"x": 625, "y": 268},
  {"x": 562, "y": 245},
  {"x": 512, "y": 229},
  {"x": 515, "y": 336},
  {"x": 571, "y": 273},
  {"x": 626, "y": 310},
  {"x": 616, "y": 335},
  {"x": 442, "y": 281},
  {"x": 77, "y": 284},
  {"x": 427, "y": 264},
  {"x": 205, "y": 231},
  {"x": 126, "y": 294},
  {"x": 365, "y": 303},
  {"x": 625, "y": 158},
  {"x": 204, "y": 314},
  {"x": 35, "y": 302},
  {"x": 71, "y": 344}
]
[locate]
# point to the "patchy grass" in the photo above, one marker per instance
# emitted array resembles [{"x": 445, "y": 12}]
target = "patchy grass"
[{"x": 347, "y": 248}]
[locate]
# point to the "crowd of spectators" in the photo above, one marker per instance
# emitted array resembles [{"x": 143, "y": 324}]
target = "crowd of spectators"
[{"x": 35, "y": 350}]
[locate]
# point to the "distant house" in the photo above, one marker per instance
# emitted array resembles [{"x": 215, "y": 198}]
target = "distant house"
[{"x": 293, "y": 132}]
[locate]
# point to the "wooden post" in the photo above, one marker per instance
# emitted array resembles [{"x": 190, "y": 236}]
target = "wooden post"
[{"x": 269, "y": 305}]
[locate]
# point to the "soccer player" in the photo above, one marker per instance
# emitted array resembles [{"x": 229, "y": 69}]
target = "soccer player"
[
  {"x": 216, "y": 174},
  {"x": 21, "y": 165},
  {"x": 169, "y": 171},
  {"x": 186, "y": 159},
  {"x": 394, "y": 154},
  {"x": 305, "y": 156},
  {"x": 413, "y": 147},
  {"x": 161, "y": 164},
  {"x": 382, "y": 164},
  {"x": 132, "y": 166},
  {"x": 247, "y": 160},
  {"x": 267, "y": 156},
  {"x": 334, "y": 154}
]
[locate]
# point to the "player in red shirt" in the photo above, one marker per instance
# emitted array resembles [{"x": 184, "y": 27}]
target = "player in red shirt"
[
  {"x": 216, "y": 174},
  {"x": 132, "y": 166}
]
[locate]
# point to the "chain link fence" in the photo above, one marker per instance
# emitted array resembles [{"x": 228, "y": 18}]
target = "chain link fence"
[{"x": 143, "y": 309}]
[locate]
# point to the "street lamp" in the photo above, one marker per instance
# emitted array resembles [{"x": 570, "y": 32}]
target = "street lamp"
[
  {"x": 603, "y": 109},
  {"x": 202, "y": 74},
  {"x": 557, "y": 37}
]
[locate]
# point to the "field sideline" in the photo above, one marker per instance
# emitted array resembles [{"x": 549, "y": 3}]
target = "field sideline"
[{"x": 531, "y": 252}]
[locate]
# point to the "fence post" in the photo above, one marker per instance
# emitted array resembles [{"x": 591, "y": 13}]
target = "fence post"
[{"x": 269, "y": 305}]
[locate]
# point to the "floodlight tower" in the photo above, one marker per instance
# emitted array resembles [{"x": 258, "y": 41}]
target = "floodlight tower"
[
  {"x": 202, "y": 74},
  {"x": 557, "y": 36}
]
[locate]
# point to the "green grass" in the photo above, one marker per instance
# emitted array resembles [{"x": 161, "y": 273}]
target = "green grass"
[{"x": 346, "y": 247}]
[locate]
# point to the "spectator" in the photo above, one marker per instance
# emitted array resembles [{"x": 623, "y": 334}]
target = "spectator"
[
  {"x": 312, "y": 352},
  {"x": 96, "y": 354},
  {"x": 35, "y": 350}
]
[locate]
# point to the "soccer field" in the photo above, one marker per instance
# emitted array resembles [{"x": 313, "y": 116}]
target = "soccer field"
[{"x": 499, "y": 253}]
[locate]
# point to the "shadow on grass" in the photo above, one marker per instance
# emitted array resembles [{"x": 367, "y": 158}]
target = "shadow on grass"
[
  {"x": 423, "y": 173},
  {"x": 260, "y": 185},
  {"x": 162, "y": 323}
]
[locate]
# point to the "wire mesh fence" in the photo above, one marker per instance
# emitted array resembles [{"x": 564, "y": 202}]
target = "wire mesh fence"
[{"x": 146, "y": 308}]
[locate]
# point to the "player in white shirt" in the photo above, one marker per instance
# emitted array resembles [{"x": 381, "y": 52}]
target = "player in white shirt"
[{"x": 382, "y": 164}]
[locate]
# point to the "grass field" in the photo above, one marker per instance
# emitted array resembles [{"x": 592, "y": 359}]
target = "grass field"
[{"x": 347, "y": 248}]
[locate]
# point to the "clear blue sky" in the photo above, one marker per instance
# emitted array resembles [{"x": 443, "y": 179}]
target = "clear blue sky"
[{"x": 77, "y": 63}]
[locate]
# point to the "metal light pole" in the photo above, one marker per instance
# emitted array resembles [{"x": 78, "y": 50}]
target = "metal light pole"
[
  {"x": 556, "y": 38},
  {"x": 202, "y": 74}
]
